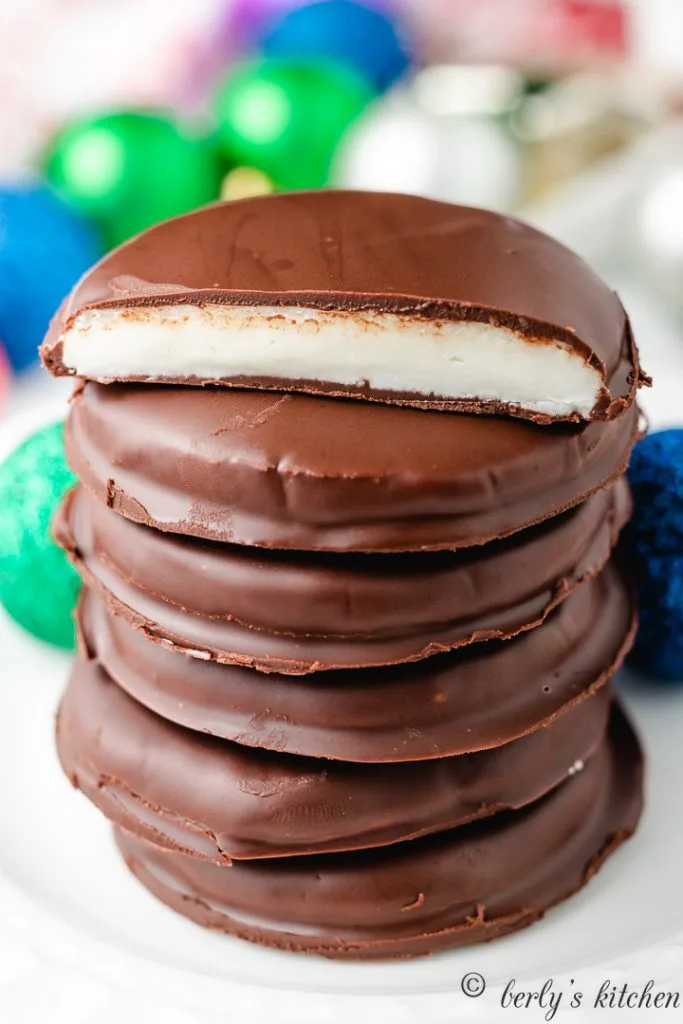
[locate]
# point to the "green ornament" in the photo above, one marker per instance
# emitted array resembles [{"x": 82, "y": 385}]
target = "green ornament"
[
  {"x": 129, "y": 170},
  {"x": 286, "y": 117},
  {"x": 38, "y": 586}
]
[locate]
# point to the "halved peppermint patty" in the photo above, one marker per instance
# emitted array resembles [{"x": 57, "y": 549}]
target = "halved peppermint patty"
[{"x": 365, "y": 295}]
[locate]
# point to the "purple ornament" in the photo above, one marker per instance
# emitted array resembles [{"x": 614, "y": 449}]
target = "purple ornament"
[
  {"x": 350, "y": 32},
  {"x": 247, "y": 21}
]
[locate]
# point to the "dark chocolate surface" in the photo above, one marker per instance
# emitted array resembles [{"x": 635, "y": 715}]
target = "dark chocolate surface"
[
  {"x": 384, "y": 607},
  {"x": 294, "y": 471},
  {"x": 349, "y": 251},
  {"x": 467, "y": 885},
  {"x": 478, "y": 697},
  {"x": 220, "y": 801}
]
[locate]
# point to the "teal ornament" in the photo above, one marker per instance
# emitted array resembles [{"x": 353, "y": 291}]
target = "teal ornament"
[{"x": 38, "y": 586}]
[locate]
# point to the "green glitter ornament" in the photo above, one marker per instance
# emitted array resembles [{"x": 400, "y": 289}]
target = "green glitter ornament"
[{"x": 38, "y": 586}]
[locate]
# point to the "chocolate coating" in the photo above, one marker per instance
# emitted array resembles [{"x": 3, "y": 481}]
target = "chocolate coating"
[
  {"x": 293, "y": 471},
  {"x": 220, "y": 801},
  {"x": 478, "y": 697},
  {"x": 345, "y": 608},
  {"x": 468, "y": 885},
  {"x": 349, "y": 251}
]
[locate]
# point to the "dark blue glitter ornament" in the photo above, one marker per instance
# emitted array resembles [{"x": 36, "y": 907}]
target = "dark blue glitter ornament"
[{"x": 654, "y": 548}]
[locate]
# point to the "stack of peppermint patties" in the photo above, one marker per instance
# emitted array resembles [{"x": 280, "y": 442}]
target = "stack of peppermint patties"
[{"x": 351, "y": 475}]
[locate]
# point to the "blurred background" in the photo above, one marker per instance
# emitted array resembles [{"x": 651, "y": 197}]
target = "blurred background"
[{"x": 119, "y": 113}]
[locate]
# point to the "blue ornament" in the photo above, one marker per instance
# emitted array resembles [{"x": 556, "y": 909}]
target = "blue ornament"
[
  {"x": 658, "y": 650},
  {"x": 654, "y": 548},
  {"x": 359, "y": 36},
  {"x": 44, "y": 249},
  {"x": 656, "y": 478}
]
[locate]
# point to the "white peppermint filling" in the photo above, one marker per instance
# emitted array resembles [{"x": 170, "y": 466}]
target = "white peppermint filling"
[{"x": 383, "y": 351}]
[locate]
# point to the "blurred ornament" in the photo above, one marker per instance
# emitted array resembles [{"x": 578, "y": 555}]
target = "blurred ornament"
[
  {"x": 654, "y": 549},
  {"x": 443, "y": 138},
  {"x": 656, "y": 245},
  {"x": 393, "y": 147},
  {"x": 355, "y": 34},
  {"x": 245, "y": 182},
  {"x": 44, "y": 249},
  {"x": 571, "y": 125},
  {"x": 131, "y": 169},
  {"x": 248, "y": 21},
  {"x": 38, "y": 586},
  {"x": 286, "y": 118}
]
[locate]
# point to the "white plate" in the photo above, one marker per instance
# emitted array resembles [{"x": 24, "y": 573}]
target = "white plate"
[
  {"x": 68, "y": 900},
  {"x": 82, "y": 941}
]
